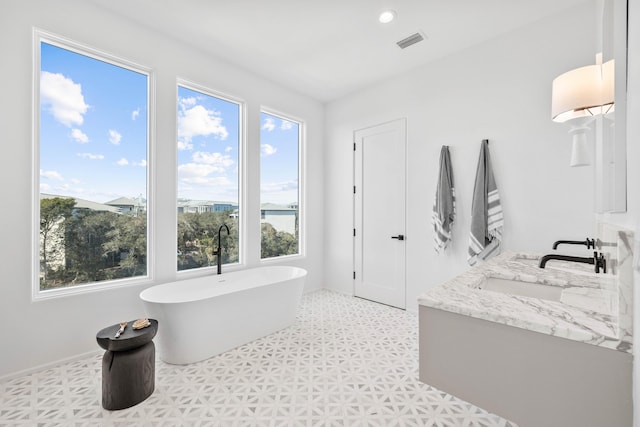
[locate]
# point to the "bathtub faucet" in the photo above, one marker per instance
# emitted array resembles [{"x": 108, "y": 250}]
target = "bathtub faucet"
[{"x": 218, "y": 252}]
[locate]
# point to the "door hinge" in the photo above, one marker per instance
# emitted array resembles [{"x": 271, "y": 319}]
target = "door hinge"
[
  {"x": 354, "y": 146},
  {"x": 354, "y": 189},
  {"x": 354, "y": 275},
  {"x": 354, "y": 232}
]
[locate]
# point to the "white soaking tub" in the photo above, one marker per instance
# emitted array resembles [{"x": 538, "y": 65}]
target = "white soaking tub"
[{"x": 202, "y": 317}]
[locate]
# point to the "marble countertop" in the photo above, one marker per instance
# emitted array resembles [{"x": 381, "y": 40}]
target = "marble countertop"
[{"x": 587, "y": 309}]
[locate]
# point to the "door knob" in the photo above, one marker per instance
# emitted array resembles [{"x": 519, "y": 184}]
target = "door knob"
[{"x": 399, "y": 237}]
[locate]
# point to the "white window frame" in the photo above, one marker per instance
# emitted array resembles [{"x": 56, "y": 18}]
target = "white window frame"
[
  {"x": 302, "y": 158},
  {"x": 242, "y": 180},
  {"x": 40, "y": 36}
]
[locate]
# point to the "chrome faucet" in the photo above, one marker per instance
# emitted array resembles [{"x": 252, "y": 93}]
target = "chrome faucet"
[
  {"x": 218, "y": 252},
  {"x": 597, "y": 260}
]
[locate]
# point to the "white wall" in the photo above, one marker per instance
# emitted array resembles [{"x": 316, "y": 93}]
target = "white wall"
[
  {"x": 633, "y": 176},
  {"x": 631, "y": 219},
  {"x": 499, "y": 90},
  {"x": 36, "y": 333}
]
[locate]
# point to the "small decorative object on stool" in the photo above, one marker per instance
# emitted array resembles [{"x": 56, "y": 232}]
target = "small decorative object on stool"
[{"x": 129, "y": 364}]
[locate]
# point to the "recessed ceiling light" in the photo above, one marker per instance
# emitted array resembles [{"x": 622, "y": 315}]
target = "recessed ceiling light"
[{"x": 387, "y": 16}]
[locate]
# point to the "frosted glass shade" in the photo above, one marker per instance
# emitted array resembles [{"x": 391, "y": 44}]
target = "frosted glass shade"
[{"x": 583, "y": 92}]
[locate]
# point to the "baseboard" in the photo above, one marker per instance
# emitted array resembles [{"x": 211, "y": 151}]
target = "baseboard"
[{"x": 49, "y": 365}]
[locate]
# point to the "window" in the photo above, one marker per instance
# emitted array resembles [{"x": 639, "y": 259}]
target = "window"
[
  {"x": 279, "y": 185},
  {"x": 92, "y": 131},
  {"x": 209, "y": 135}
]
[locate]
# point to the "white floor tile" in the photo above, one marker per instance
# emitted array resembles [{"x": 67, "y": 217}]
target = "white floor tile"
[{"x": 346, "y": 362}]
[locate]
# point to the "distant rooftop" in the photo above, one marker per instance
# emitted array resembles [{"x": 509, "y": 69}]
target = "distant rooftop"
[
  {"x": 274, "y": 207},
  {"x": 84, "y": 204},
  {"x": 125, "y": 201},
  {"x": 188, "y": 202}
]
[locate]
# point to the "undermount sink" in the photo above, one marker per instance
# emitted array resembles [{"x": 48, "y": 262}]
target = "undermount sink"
[{"x": 520, "y": 288}]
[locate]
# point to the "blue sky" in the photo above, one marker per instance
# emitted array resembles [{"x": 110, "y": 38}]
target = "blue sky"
[
  {"x": 208, "y": 147},
  {"x": 279, "y": 145},
  {"x": 93, "y": 136},
  {"x": 93, "y": 127},
  {"x": 208, "y": 151}
]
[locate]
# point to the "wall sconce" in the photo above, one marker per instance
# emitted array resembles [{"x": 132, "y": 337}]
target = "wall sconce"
[{"x": 578, "y": 96}]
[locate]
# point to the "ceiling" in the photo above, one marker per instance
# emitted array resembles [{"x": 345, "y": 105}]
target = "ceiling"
[{"x": 327, "y": 49}]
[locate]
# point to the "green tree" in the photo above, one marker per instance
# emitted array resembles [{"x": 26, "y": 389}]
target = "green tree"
[
  {"x": 128, "y": 239},
  {"x": 53, "y": 213},
  {"x": 276, "y": 243},
  {"x": 87, "y": 234},
  {"x": 198, "y": 234}
]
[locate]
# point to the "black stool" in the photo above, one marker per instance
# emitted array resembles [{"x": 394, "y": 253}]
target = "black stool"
[{"x": 128, "y": 365}]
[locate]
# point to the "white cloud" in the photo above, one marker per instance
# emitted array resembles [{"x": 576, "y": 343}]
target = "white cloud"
[
  {"x": 51, "y": 175},
  {"x": 63, "y": 98},
  {"x": 227, "y": 149},
  {"x": 279, "y": 192},
  {"x": 114, "y": 137},
  {"x": 91, "y": 156},
  {"x": 122, "y": 162},
  {"x": 187, "y": 102},
  {"x": 183, "y": 145},
  {"x": 142, "y": 163},
  {"x": 79, "y": 136},
  {"x": 220, "y": 161},
  {"x": 198, "y": 173},
  {"x": 135, "y": 113},
  {"x": 187, "y": 170},
  {"x": 269, "y": 124},
  {"x": 198, "y": 121},
  {"x": 267, "y": 149},
  {"x": 275, "y": 187},
  {"x": 217, "y": 181},
  {"x": 45, "y": 188},
  {"x": 207, "y": 169},
  {"x": 190, "y": 171},
  {"x": 286, "y": 125},
  {"x": 75, "y": 181}
]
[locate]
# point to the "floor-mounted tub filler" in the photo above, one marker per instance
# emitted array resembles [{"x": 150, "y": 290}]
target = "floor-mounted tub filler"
[{"x": 202, "y": 317}]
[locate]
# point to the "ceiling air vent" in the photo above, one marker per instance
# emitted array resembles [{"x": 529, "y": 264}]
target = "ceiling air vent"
[{"x": 412, "y": 39}]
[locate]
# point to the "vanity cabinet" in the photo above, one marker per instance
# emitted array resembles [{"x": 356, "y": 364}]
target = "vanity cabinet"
[{"x": 530, "y": 378}]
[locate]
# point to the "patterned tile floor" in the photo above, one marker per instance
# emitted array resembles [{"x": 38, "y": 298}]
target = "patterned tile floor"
[{"x": 346, "y": 362}]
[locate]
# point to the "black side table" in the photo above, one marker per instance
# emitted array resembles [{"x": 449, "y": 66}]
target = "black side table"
[{"x": 128, "y": 365}]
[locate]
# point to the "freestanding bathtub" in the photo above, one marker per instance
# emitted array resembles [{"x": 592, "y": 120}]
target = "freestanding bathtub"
[{"x": 202, "y": 317}]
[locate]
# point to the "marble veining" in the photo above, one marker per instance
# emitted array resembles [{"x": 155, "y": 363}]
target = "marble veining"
[
  {"x": 589, "y": 309},
  {"x": 617, "y": 243}
]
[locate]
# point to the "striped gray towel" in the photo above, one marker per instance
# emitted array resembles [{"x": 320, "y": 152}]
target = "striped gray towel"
[
  {"x": 444, "y": 205},
  {"x": 486, "y": 211}
]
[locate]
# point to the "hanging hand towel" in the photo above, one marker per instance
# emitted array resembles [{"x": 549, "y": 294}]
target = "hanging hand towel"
[
  {"x": 486, "y": 211},
  {"x": 444, "y": 205}
]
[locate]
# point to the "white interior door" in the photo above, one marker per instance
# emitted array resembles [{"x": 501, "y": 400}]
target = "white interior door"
[{"x": 379, "y": 223}]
